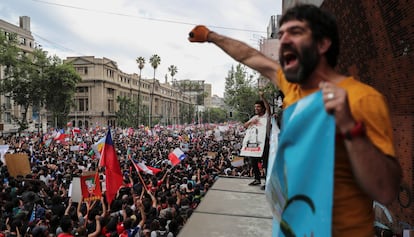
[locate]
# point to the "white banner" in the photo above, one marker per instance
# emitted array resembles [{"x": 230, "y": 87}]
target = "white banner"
[
  {"x": 75, "y": 191},
  {"x": 255, "y": 137},
  {"x": 3, "y": 150}
]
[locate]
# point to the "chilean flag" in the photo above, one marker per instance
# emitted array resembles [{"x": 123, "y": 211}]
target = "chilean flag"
[
  {"x": 76, "y": 130},
  {"x": 59, "y": 136},
  {"x": 113, "y": 172},
  {"x": 176, "y": 156},
  {"x": 147, "y": 169}
]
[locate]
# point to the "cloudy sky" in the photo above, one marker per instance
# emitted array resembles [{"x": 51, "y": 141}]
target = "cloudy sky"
[{"x": 123, "y": 30}]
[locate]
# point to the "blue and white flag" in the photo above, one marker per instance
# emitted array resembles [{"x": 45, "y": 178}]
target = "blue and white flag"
[
  {"x": 300, "y": 187},
  {"x": 33, "y": 215}
]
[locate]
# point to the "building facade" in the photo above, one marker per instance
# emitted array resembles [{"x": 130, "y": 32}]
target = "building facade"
[
  {"x": 10, "y": 110},
  {"x": 102, "y": 83}
]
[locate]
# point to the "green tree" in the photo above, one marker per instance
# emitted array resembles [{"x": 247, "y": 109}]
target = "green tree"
[
  {"x": 9, "y": 53},
  {"x": 60, "y": 87},
  {"x": 24, "y": 82},
  {"x": 141, "y": 63},
  {"x": 36, "y": 80},
  {"x": 172, "y": 69},
  {"x": 240, "y": 92},
  {"x": 155, "y": 61},
  {"x": 215, "y": 115},
  {"x": 126, "y": 113}
]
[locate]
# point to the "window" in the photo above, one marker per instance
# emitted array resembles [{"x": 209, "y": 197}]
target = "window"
[
  {"x": 22, "y": 41},
  {"x": 82, "y": 89},
  {"x": 110, "y": 73},
  {"x": 7, "y": 117},
  {"x": 110, "y": 92},
  {"x": 82, "y": 70},
  {"x": 8, "y": 104},
  {"x": 111, "y": 108},
  {"x": 83, "y": 104}
]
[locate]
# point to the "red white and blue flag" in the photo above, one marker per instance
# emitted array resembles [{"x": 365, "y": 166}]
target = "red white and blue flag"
[
  {"x": 75, "y": 130},
  {"x": 176, "y": 156},
  {"x": 113, "y": 172},
  {"x": 146, "y": 169}
]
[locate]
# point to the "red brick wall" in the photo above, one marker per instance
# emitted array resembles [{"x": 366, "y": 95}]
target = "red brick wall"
[{"x": 377, "y": 46}]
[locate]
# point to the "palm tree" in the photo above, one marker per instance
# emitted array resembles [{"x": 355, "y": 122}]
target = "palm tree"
[
  {"x": 141, "y": 62},
  {"x": 172, "y": 69},
  {"x": 155, "y": 60}
]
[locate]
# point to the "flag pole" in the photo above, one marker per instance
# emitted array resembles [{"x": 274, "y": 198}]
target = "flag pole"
[{"x": 139, "y": 174}]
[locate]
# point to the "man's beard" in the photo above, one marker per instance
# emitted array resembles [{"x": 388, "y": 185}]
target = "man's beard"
[{"x": 308, "y": 59}]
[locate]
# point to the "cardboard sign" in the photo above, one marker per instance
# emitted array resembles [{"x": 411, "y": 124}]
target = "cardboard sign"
[
  {"x": 18, "y": 164},
  {"x": 212, "y": 154},
  {"x": 75, "y": 191}
]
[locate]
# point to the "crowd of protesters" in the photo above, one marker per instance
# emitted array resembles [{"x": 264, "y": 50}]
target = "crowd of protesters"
[{"x": 38, "y": 204}]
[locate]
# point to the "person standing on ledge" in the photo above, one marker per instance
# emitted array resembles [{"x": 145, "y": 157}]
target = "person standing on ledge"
[
  {"x": 261, "y": 110},
  {"x": 365, "y": 165}
]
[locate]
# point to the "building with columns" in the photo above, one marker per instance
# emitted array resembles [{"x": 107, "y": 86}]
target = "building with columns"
[{"x": 102, "y": 82}]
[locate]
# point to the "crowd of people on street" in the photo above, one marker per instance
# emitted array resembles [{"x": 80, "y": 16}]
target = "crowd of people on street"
[{"x": 39, "y": 204}]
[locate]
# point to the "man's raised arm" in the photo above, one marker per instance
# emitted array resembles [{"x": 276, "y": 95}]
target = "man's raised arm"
[{"x": 238, "y": 50}]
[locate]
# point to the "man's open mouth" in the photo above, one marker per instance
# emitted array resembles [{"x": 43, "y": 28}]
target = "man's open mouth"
[{"x": 290, "y": 60}]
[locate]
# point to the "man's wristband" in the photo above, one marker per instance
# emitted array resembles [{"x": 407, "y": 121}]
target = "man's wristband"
[{"x": 357, "y": 131}]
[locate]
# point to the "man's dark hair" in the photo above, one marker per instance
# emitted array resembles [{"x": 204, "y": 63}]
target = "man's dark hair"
[
  {"x": 261, "y": 103},
  {"x": 66, "y": 224},
  {"x": 322, "y": 24}
]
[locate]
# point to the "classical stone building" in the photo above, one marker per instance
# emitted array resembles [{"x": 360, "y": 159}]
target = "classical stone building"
[{"x": 102, "y": 82}]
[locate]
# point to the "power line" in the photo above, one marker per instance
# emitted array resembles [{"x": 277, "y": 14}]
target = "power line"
[
  {"x": 59, "y": 45},
  {"x": 144, "y": 18}
]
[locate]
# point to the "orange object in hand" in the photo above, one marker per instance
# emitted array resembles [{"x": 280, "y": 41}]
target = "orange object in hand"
[{"x": 198, "y": 34}]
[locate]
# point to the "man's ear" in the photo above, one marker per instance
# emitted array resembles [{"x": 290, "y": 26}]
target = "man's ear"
[{"x": 324, "y": 45}]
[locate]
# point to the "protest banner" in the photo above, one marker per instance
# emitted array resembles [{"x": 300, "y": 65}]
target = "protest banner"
[
  {"x": 17, "y": 164},
  {"x": 254, "y": 139},
  {"x": 91, "y": 186}
]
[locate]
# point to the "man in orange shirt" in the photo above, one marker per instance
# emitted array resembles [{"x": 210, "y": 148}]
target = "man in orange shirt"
[{"x": 365, "y": 164}]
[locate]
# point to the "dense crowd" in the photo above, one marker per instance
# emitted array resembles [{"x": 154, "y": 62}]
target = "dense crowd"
[{"x": 38, "y": 204}]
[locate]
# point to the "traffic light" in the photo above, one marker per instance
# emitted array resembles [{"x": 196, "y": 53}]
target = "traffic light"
[{"x": 231, "y": 114}]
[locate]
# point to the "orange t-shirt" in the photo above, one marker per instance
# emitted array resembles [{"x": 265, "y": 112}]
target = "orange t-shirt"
[{"x": 352, "y": 207}]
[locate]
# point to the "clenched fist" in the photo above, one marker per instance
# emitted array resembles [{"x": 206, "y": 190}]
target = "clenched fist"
[{"x": 199, "y": 34}]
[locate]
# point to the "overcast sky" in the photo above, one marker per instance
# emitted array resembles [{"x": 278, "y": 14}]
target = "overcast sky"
[{"x": 123, "y": 30}]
